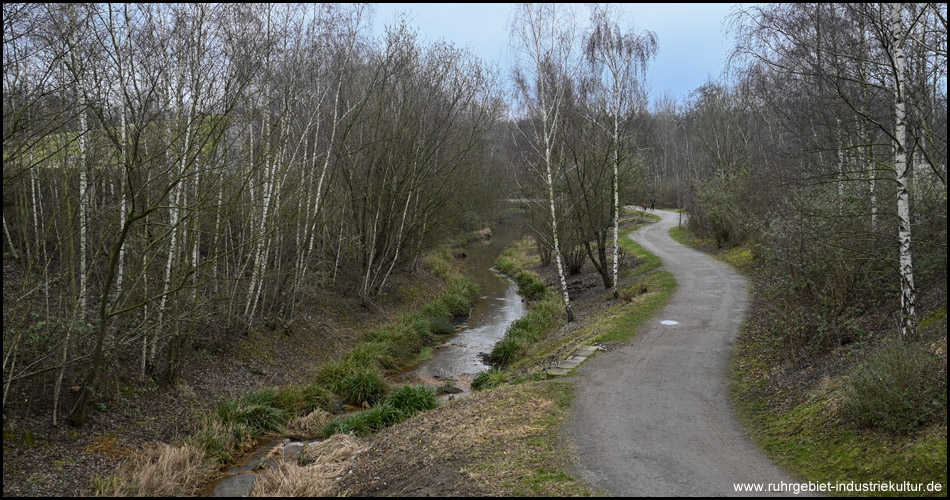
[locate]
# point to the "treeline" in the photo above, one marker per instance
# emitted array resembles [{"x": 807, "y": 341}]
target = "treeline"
[
  {"x": 172, "y": 170},
  {"x": 827, "y": 155}
]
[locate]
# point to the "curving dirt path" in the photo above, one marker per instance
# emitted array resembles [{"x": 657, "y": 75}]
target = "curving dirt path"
[{"x": 654, "y": 417}]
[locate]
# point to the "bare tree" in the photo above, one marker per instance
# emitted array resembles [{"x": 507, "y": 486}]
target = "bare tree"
[
  {"x": 545, "y": 37},
  {"x": 619, "y": 60}
]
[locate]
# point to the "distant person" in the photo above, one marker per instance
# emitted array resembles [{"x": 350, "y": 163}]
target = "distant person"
[
  {"x": 652, "y": 204},
  {"x": 643, "y": 205}
]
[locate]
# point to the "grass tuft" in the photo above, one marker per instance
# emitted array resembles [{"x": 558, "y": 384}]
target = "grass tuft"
[
  {"x": 363, "y": 385},
  {"x": 411, "y": 399},
  {"x": 488, "y": 379}
]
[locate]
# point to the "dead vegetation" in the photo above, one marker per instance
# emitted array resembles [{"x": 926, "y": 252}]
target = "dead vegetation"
[
  {"x": 160, "y": 470},
  {"x": 315, "y": 473}
]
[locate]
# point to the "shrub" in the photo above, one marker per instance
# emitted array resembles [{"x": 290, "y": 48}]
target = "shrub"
[
  {"x": 898, "y": 388},
  {"x": 411, "y": 399},
  {"x": 488, "y": 379}
]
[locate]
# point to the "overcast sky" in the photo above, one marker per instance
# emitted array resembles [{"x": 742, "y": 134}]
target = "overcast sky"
[{"x": 692, "y": 43}]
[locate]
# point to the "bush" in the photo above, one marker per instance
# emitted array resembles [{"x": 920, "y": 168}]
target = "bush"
[
  {"x": 411, "y": 399},
  {"x": 898, "y": 388},
  {"x": 488, "y": 379}
]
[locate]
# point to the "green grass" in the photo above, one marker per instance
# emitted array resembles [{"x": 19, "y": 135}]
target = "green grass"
[
  {"x": 649, "y": 261},
  {"x": 685, "y": 238},
  {"x": 402, "y": 403},
  {"x": 813, "y": 441},
  {"x": 741, "y": 257},
  {"x": 364, "y": 385},
  {"x": 543, "y": 313},
  {"x": 542, "y": 316},
  {"x": 488, "y": 379},
  {"x": 659, "y": 287},
  {"x": 413, "y": 399},
  {"x": 365, "y": 422}
]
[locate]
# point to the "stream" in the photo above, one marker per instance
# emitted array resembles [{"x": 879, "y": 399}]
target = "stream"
[
  {"x": 459, "y": 358},
  {"x": 454, "y": 363}
]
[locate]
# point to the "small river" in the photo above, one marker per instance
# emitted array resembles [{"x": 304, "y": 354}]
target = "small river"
[
  {"x": 454, "y": 362},
  {"x": 460, "y": 357}
]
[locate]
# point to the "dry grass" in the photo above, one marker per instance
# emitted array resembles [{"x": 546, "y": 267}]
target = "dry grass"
[
  {"x": 162, "y": 470},
  {"x": 308, "y": 426},
  {"x": 501, "y": 442},
  {"x": 338, "y": 448},
  {"x": 289, "y": 480},
  {"x": 326, "y": 461}
]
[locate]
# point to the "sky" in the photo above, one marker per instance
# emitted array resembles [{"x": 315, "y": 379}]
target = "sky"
[{"x": 693, "y": 45}]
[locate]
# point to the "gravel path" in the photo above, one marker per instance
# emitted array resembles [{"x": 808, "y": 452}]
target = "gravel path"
[{"x": 654, "y": 417}]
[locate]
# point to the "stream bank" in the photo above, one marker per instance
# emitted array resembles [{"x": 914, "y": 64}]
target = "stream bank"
[{"x": 454, "y": 363}]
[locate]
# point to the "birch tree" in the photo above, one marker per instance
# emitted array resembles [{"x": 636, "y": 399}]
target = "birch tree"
[
  {"x": 903, "y": 170},
  {"x": 619, "y": 61},
  {"x": 544, "y": 37}
]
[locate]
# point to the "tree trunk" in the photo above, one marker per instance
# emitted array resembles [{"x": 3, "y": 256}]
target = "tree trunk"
[{"x": 908, "y": 292}]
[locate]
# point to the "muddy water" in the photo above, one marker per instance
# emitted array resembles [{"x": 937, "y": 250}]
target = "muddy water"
[{"x": 459, "y": 358}]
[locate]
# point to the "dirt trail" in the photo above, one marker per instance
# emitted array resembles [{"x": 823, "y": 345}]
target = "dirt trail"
[{"x": 654, "y": 417}]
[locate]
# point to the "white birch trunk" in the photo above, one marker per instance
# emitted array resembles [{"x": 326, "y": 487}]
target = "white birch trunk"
[
  {"x": 173, "y": 243},
  {"x": 122, "y": 206},
  {"x": 616, "y": 185},
  {"x": 908, "y": 292},
  {"x": 83, "y": 212}
]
